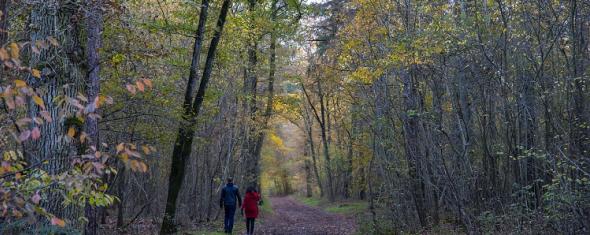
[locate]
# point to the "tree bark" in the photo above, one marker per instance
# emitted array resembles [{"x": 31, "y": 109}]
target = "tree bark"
[
  {"x": 4, "y": 24},
  {"x": 183, "y": 144},
  {"x": 93, "y": 19},
  {"x": 55, "y": 19},
  {"x": 250, "y": 105}
]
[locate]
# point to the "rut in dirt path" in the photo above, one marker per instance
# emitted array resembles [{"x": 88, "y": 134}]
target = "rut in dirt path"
[{"x": 291, "y": 217}]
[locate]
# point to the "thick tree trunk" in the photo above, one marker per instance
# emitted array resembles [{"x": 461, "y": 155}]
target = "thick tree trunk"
[{"x": 59, "y": 67}]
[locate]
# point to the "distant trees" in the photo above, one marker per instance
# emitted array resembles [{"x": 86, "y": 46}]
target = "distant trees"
[{"x": 467, "y": 109}]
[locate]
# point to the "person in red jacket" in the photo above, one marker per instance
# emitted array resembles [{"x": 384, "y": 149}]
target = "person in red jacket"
[{"x": 250, "y": 208}]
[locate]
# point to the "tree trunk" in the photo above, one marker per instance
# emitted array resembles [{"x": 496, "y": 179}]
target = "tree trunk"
[
  {"x": 250, "y": 88},
  {"x": 121, "y": 194},
  {"x": 94, "y": 22},
  {"x": 183, "y": 143},
  {"x": 59, "y": 67},
  {"x": 325, "y": 143},
  {"x": 4, "y": 24},
  {"x": 308, "y": 123},
  {"x": 412, "y": 150}
]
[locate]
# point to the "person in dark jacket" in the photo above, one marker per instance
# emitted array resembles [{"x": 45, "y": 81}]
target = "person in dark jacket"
[
  {"x": 230, "y": 194},
  {"x": 250, "y": 208}
]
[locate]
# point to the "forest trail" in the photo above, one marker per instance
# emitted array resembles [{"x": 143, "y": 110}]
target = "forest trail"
[{"x": 291, "y": 217}]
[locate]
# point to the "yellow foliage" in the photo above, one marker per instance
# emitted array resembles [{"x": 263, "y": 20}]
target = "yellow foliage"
[
  {"x": 365, "y": 75},
  {"x": 20, "y": 83},
  {"x": 36, "y": 73},
  {"x": 39, "y": 101},
  {"x": 14, "y": 50},
  {"x": 276, "y": 140},
  {"x": 71, "y": 132}
]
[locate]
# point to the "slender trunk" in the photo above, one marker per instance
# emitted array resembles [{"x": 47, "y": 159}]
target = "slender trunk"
[
  {"x": 311, "y": 146},
  {"x": 581, "y": 112},
  {"x": 325, "y": 143},
  {"x": 308, "y": 176},
  {"x": 121, "y": 192},
  {"x": 183, "y": 144},
  {"x": 193, "y": 76},
  {"x": 94, "y": 23},
  {"x": 4, "y": 24}
]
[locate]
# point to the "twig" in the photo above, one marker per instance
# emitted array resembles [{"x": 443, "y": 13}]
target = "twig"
[{"x": 136, "y": 216}]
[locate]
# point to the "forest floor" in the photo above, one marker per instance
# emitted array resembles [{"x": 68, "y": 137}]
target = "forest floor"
[{"x": 290, "y": 216}]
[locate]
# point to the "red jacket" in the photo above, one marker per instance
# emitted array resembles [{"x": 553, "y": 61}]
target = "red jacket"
[{"x": 250, "y": 205}]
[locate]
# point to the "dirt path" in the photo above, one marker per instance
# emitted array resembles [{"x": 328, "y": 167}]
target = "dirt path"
[{"x": 291, "y": 217}]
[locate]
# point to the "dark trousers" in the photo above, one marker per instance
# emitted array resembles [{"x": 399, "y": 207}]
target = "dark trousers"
[
  {"x": 228, "y": 222},
  {"x": 250, "y": 225}
]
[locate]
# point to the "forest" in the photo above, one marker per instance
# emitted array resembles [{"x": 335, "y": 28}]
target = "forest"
[{"x": 349, "y": 116}]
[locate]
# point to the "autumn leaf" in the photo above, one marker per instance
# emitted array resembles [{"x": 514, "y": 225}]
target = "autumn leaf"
[
  {"x": 83, "y": 137},
  {"x": 39, "y": 101},
  {"x": 53, "y": 41},
  {"x": 20, "y": 83},
  {"x": 131, "y": 88},
  {"x": 140, "y": 86},
  {"x": 71, "y": 132},
  {"x": 41, "y": 44},
  {"x": 120, "y": 147},
  {"x": 35, "y": 133},
  {"x": 4, "y": 54},
  {"x": 36, "y": 198},
  {"x": 16, "y": 213},
  {"x": 57, "y": 221},
  {"x": 24, "y": 135},
  {"x": 46, "y": 116},
  {"x": 10, "y": 102},
  {"x": 143, "y": 167},
  {"x": 36, "y": 73},
  {"x": 38, "y": 120},
  {"x": 147, "y": 82},
  {"x": 14, "y": 50},
  {"x": 124, "y": 157},
  {"x": 145, "y": 149}
]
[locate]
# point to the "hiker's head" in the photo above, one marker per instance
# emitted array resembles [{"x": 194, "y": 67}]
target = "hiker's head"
[
  {"x": 230, "y": 180},
  {"x": 251, "y": 189}
]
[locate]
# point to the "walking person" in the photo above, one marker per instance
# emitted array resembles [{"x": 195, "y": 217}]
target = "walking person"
[
  {"x": 250, "y": 208},
  {"x": 230, "y": 195}
]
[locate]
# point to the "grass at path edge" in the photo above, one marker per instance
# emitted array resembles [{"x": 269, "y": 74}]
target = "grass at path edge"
[{"x": 339, "y": 207}]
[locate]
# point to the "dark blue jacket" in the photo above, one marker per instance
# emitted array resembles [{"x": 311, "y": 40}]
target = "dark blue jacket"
[{"x": 229, "y": 195}]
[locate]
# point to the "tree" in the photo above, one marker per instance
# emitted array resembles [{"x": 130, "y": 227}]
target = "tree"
[{"x": 183, "y": 144}]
